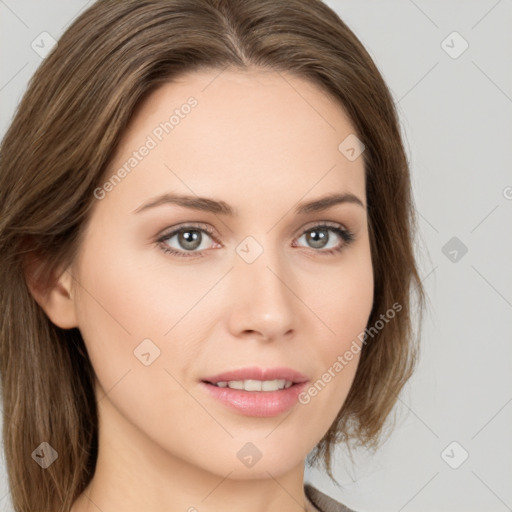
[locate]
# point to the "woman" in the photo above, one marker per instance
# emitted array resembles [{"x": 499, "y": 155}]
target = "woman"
[{"x": 207, "y": 238}]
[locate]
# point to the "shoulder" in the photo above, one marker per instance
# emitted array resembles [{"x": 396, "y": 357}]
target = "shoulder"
[{"x": 323, "y": 502}]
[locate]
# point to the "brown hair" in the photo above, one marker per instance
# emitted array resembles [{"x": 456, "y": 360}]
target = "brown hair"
[{"x": 57, "y": 150}]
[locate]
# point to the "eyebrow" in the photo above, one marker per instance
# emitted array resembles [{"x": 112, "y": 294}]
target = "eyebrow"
[{"x": 215, "y": 206}]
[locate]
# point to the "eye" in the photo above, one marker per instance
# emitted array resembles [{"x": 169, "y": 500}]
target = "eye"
[
  {"x": 318, "y": 237},
  {"x": 192, "y": 240},
  {"x": 189, "y": 238}
]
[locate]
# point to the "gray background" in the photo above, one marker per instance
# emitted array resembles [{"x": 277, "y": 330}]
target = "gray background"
[{"x": 456, "y": 116}]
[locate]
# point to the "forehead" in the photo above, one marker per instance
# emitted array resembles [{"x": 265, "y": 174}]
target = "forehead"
[{"x": 255, "y": 132}]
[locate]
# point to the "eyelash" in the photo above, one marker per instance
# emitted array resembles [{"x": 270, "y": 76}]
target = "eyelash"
[{"x": 346, "y": 235}]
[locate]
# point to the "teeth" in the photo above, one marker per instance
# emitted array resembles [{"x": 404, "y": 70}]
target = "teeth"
[{"x": 256, "y": 385}]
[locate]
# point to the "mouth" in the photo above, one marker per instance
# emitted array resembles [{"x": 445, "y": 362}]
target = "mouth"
[{"x": 255, "y": 391}]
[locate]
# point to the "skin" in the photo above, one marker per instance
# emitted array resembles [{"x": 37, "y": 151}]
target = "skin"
[{"x": 262, "y": 142}]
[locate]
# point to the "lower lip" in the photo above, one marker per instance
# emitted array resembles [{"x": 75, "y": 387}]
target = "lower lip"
[{"x": 257, "y": 403}]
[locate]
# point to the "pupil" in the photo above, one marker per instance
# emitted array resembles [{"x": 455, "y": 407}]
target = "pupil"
[
  {"x": 189, "y": 239},
  {"x": 318, "y": 237}
]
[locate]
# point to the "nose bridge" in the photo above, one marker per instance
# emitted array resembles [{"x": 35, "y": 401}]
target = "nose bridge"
[{"x": 263, "y": 298}]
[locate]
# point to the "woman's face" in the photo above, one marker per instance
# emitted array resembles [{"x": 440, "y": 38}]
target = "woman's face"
[{"x": 261, "y": 287}]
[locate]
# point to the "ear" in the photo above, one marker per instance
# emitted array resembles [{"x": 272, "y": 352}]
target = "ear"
[{"x": 53, "y": 293}]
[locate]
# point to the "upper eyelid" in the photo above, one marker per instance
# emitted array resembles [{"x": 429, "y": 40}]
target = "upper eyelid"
[{"x": 167, "y": 233}]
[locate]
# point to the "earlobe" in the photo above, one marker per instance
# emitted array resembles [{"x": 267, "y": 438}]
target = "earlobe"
[{"x": 54, "y": 295}]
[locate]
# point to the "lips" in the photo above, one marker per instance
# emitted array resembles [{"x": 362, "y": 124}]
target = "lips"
[
  {"x": 256, "y": 373},
  {"x": 253, "y": 402}
]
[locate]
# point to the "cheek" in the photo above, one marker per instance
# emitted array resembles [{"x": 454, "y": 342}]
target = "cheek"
[
  {"x": 124, "y": 294},
  {"x": 123, "y": 318},
  {"x": 345, "y": 302},
  {"x": 115, "y": 308},
  {"x": 132, "y": 311},
  {"x": 344, "y": 307}
]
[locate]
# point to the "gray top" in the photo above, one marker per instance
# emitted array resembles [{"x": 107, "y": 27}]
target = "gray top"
[{"x": 323, "y": 503}]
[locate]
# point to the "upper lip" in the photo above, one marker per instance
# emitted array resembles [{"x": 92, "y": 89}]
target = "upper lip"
[{"x": 256, "y": 373}]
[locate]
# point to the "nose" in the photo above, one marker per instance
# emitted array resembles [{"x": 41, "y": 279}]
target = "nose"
[{"x": 262, "y": 303}]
